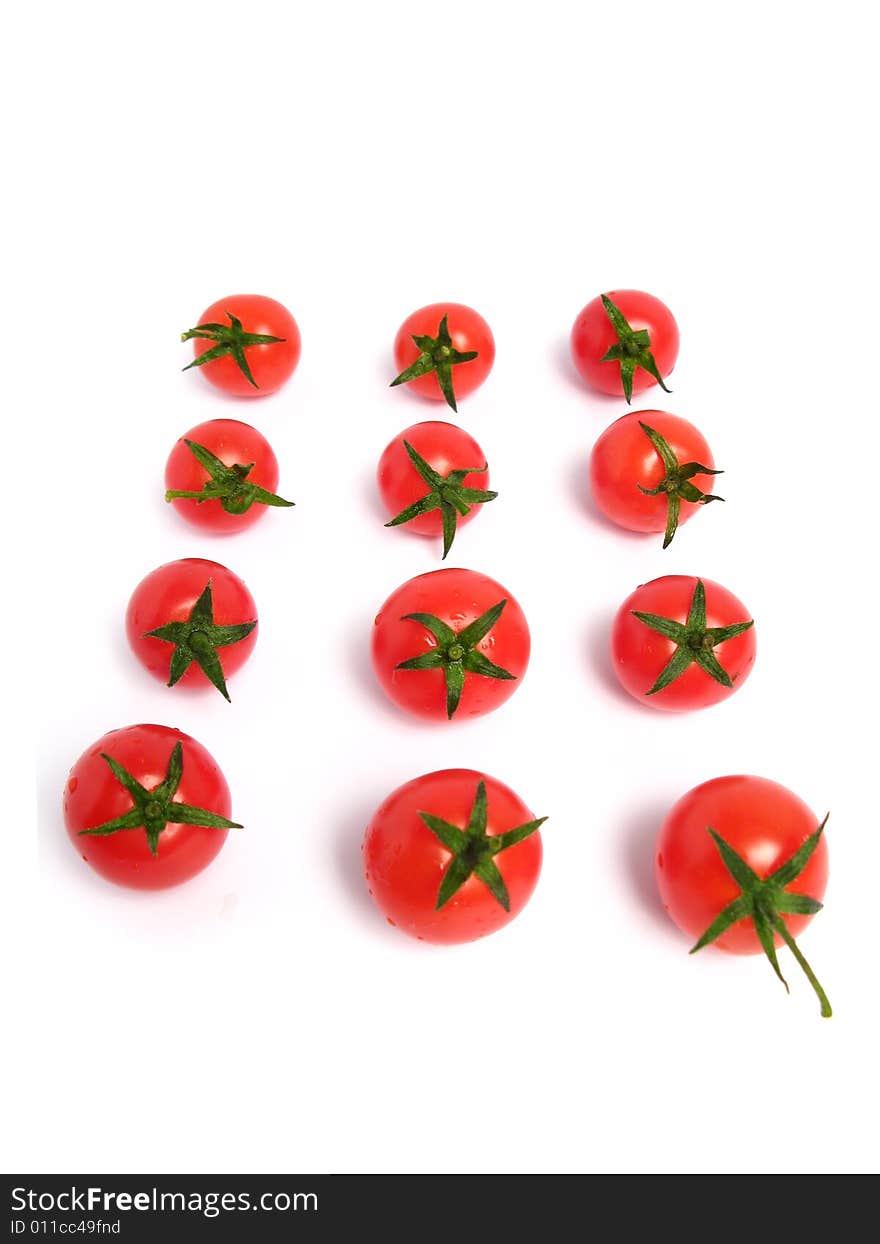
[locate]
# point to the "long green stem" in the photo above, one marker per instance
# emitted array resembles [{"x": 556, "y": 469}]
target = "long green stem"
[{"x": 782, "y": 929}]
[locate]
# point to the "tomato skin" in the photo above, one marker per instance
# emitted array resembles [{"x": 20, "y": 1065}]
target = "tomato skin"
[
  {"x": 92, "y": 795},
  {"x": 445, "y": 447},
  {"x": 468, "y": 330},
  {"x": 623, "y": 457},
  {"x": 593, "y": 334},
  {"x": 765, "y": 823},
  {"x": 232, "y": 442},
  {"x": 639, "y": 654},
  {"x": 167, "y": 594},
  {"x": 457, "y": 597},
  {"x": 404, "y": 862},
  {"x": 271, "y": 364}
]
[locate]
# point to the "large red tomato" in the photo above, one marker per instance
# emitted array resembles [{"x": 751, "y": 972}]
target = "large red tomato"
[
  {"x": 222, "y": 475},
  {"x": 147, "y": 807},
  {"x": 742, "y": 864},
  {"x": 452, "y": 856},
  {"x": 247, "y": 345},
  {"x": 444, "y": 351},
  {"x": 680, "y": 643},
  {"x": 625, "y": 341},
  {"x": 192, "y": 622},
  {"x": 433, "y": 477},
  {"x": 450, "y": 643},
  {"x": 645, "y": 468}
]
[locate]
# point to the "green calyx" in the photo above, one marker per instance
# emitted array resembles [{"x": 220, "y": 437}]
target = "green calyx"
[
  {"x": 473, "y": 852},
  {"x": 154, "y": 809},
  {"x": 447, "y": 494},
  {"x": 197, "y": 639},
  {"x": 676, "y": 483},
  {"x": 230, "y": 339},
  {"x": 228, "y": 485},
  {"x": 695, "y": 641},
  {"x": 437, "y": 355},
  {"x": 632, "y": 349},
  {"x": 457, "y": 653},
  {"x": 765, "y": 902}
]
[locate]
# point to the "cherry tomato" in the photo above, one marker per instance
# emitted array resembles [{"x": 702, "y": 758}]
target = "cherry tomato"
[
  {"x": 643, "y": 472},
  {"x": 121, "y": 794},
  {"x": 192, "y": 622},
  {"x": 444, "y": 351},
  {"x": 247, "y": 345},
  {"x": 624, "y": 341},
  {"x": 777, "y": 884},
  {"x": 222, "y": 475},
  {"x": 680, "y": 643},
  {"x": 425, "y": 482},
  {"x": 436, "y": 860},
  {"x": 450, "y": 643}
]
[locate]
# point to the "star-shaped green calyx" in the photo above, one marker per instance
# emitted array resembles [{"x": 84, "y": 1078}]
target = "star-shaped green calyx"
[
  {"x": 438, "y": 355},
  {"x": 228, "y": 484},
  {"x": 197, "y": 639},
  {"x": 230, "y": 339},
  {"x": 676, "y": 483},
  {"x": 765, "y": 902},
  {"x": 154, "y": 809},
  {"x": 473, "y": 851},
  {"x": 695, "y": 641},
  {"x": 447, "y": 494},
  {"x": 457, "y": 653},
  {"x": 632, "y": 349}
]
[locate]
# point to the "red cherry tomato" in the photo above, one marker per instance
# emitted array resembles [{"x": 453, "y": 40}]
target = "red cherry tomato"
[
  {"x": 235, "y": 331},
  {"x": 635, "y": 362},
  {"x": 465, "y": 653},
  {"x": 153, "y": 773},
  {"x": 752, "y": 827},
  {"x": 209, "y": 465},
  {"x": 446, "y": 376},
  {"x": 693, "y": 646},
  {"x": 626, "y": 461},
  {"x": 192, "y": 622},
  {"x": 406, "y": 485},
  {"x": 427, "y": 887}
]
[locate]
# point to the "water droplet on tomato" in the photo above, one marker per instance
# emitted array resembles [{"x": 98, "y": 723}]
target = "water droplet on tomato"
[{"x": 72, "y": 784}]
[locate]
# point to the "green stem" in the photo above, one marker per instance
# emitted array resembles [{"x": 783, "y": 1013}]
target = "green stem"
[{"x": 782, "y": 929}]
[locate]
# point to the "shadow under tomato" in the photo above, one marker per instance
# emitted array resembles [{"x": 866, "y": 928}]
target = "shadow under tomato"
[
  {"x": 361, "y": 671},
  {"x": 371, "y": 500},
  {"x": 582, "y": 498},
  {"x": 637, "y": 833},
  {"x": 604, "y": 404},
  {"x": 560, "y": 356},
  {"x": 347, "y": 839},
  {"x": 596, "y": 646}
]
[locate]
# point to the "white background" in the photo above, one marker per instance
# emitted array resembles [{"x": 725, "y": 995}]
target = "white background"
[{"x": 356, "y": 162}]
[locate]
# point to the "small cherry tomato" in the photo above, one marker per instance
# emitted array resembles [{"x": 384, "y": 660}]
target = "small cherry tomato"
[
  {"x": 433, "y": 477},
  {"x": 192, "y": 622},
  {"x": 644, "y": 470},
  {"x": 742, "y": 864},
  {"x": 247, "y": 345},
  {"x": 664, "y": 641},
  {"x": 450, "y": 643},
  {"x": 147, "y": 807},
  {"x": 624, "y": 342},
  {"x": 444, "y": 351},
  {"x": 452, "y": 856},
  {"x": 222, "y": 475}
]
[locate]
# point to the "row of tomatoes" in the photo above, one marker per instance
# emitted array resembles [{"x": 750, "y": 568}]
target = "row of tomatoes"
[{"x": 454, "y": 855}]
